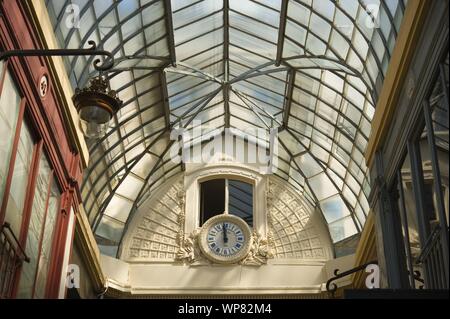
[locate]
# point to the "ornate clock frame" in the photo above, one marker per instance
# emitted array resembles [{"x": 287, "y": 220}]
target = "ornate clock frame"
[{"x": 244, "y": 251}]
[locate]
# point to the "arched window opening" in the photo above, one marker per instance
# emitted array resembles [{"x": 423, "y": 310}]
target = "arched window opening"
[{"x": 218, "y": 196}]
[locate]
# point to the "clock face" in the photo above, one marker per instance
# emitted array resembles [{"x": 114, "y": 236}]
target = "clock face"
[{"x": 225, "y": 238}]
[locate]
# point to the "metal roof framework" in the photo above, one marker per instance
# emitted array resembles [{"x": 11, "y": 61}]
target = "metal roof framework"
[{"x": 311, "y": 69}]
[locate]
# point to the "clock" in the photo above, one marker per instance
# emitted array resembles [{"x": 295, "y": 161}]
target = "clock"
[{"x": 225, "y": 239}]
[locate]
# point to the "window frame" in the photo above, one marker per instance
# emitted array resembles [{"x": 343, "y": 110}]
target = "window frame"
[
  {"x": 39, "y": 150},
  {"x": 226, "y": 197}
]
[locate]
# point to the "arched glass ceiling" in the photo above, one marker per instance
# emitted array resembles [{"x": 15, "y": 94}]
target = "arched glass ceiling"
[{"x": 313, "y": 69}]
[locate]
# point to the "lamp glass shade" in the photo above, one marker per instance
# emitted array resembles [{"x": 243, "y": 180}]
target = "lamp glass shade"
[
  {"x": 96, "y": 105},
  {"x": 93, "y": 130}
]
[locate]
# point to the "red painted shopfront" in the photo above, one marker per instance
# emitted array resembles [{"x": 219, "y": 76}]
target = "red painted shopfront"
[{"x": 40, "y": 168}]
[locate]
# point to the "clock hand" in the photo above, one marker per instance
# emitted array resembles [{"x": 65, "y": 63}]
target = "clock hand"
[{"x": 225, "y": 238}]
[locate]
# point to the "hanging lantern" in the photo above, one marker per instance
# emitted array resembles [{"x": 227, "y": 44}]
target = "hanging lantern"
[{"x": 96, "y": 105}]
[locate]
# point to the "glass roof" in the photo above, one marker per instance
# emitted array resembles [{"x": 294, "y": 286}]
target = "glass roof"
[{"x": 312, "y": 69}]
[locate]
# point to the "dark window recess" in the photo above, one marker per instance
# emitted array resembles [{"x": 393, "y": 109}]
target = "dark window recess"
[
  {"x": 212, "y": 199},
  {"x": 240, "y": 200}
]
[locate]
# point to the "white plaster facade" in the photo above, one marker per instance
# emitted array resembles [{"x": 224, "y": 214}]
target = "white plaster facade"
[{"x": 299, "y": 241}]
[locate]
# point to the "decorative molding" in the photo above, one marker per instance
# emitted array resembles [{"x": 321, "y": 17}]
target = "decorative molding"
[
  {"x": 161, "y": 234},
  {"x": 188, "y": 248},
  {"x": 157, "y": 234},
  {"x": 262, "y": 249},
  {"x": 118, "y": 291},
  {"x": 189, "y": 251},
  {"x": 231, "y": 171},
  {"x": 290, "y": 222}
]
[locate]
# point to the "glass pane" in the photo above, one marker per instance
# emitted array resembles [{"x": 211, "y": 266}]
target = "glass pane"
[
  {"x": 47, "y": 240},
  {"x": 34, "y": 234},
  {"x": 212, "y": 199},
  {"x": 110, "y": 230},
  {"x": 108, "y": 250},
  {"x": 119, "y": 208},
  {"x": 329, "y": 113},
  {"x": 9, "y": 111},
  {"x": 240, "y": 200},
  {"x": 17, "y": 193},
  {"x": 308, "y": 165},
  {"x": 342, "y": 229},
  {"x": 322, "y": 186},
  {"x": 334, "y": 208}
]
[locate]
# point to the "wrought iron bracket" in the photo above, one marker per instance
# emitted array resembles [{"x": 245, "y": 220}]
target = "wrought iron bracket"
[
  {"x": 332, "y": 287},
  {"x": 100, "y": 66}
]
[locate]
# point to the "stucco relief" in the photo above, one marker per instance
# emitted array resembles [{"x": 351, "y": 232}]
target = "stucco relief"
[
  {"x": 189, "y": 251},
  {"x": 262, "y": 249},
  {"x": 294, "y": 233},
  {"x": 156, "y": 235}
]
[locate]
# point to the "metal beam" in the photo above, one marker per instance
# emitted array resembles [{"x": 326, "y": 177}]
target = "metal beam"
[
  {"x": 226, "y": 104},
  {"x": 105, "y": 203},
  {"x": 444, "y": 84},
  {"x": 226, "y": 35},
  {"x": 113, "y": 31},
  {"x": 288, "y": 97},
  {"x": 265, "y": 72},
  {"x": 170, "y": 32},
  {"x": 226, "y": 62},
  {"x": 243, "y": 97},
  {"x": 247, "y": 73},
  {"x": 324, "y": 169},
  {"x": 251, "y": 108},
  {"x": 157, "y": 166},
  {"x": 197, "y": 73},
  {"x": 440, "y": 201},
  {"x": 281, "y": 31},
  {"x": 165, "y": 95},
  {"x": 346, "y": 67}
]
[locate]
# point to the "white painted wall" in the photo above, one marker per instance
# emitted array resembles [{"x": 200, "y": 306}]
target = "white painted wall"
[{"x": 169, "y": 278}]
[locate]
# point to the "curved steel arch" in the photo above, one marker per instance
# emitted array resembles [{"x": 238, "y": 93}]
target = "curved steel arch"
[{"x": 262, "y": 60}]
